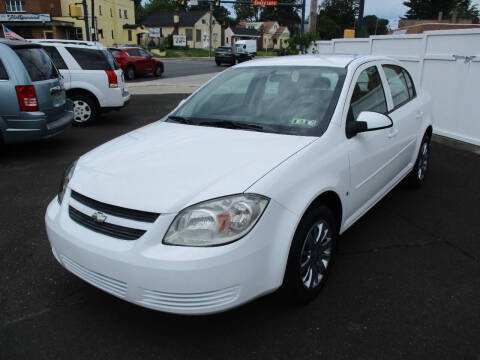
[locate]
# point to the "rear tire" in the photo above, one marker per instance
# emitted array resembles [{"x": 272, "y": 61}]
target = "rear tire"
[
  {"x": 311, "y": 255},
  {"x": 85, "y": 109},
  {"x": 158, "y": 71},
  {"x": 416, "y": 178},
  {"x": 130, "y": 73}
]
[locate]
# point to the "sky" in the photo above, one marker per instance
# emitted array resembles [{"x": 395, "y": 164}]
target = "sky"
[{"x": 387, "y": 9}]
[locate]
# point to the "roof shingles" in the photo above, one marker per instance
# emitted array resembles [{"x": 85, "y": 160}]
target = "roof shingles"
[{"x": 161, "y": 18}]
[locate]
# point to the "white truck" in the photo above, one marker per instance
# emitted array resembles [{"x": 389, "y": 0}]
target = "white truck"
[{"x": 249, "y": 46}]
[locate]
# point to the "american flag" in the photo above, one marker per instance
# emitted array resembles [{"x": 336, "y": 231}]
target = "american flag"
[{"x": 9, "y": 34}]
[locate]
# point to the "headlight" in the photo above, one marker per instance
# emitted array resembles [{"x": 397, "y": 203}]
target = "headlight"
[
  {"x": 216, "y": 222},
  {"x": 65, "y": 180}
]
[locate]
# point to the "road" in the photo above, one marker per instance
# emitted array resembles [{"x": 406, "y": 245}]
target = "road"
[
  {"x": 183, "y": 67},
  {"x": 405, "y": 285}
]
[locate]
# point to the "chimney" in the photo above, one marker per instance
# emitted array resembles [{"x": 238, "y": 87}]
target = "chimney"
[{"x": 176, "y": 20}]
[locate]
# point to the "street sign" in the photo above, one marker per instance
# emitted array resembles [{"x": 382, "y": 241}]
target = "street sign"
[
  {"x": 179, "y": 40},
  {"x": 265, "y": 3},
  {"x": 25, "y": 17},
  {"x": 154, "y": 32}
]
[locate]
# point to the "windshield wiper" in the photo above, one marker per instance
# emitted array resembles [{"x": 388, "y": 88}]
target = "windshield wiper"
[
  {"x": 233, "y": 125},
  {"x": 181, "y": 120}
]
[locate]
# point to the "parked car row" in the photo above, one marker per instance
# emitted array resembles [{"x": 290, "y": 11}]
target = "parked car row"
[{"x": 46, "y": 85}]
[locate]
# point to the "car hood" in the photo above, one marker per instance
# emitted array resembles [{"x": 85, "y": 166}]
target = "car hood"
[{"x": 165, "y": 167}]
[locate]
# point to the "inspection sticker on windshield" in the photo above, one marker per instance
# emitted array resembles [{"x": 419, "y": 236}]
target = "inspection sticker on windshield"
[{"x": 304, "y": 122}]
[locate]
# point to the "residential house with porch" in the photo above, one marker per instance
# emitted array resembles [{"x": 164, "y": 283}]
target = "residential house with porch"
[
  {"x": 233, "y": 34},
  {"x": 193, "y": 24},
  {"x": 273, "y": 36}
]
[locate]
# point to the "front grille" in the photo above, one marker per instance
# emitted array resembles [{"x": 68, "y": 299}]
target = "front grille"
[
  {"x": 116, "y": 231},
  {"x": 131, "y": 214}
]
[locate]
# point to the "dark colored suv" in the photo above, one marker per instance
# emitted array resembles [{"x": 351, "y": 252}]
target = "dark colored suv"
[
  {"x": 230, "y": 55},
  {"x": 33, "y": 104},
  {"x": 135, "y": 60}
]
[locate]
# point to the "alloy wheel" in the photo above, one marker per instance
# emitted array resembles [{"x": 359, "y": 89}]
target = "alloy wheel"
[
  {"x": 315, "y": 255},
  {"x": 423, "y": 161},
  {"x": 81, "y": 111}
]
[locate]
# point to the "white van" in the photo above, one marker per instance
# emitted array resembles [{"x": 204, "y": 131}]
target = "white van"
[{"x": 249, "y": 46}]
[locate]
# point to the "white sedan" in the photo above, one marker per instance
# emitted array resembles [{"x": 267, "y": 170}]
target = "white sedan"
[{"x": 245, "y": 187}]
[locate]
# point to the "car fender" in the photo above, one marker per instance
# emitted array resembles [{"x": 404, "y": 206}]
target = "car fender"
[{"x": 83, "y": 85}]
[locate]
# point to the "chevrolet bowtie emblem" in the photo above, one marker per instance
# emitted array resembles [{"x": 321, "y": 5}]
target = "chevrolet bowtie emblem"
[{"x": 99, "y": 218}]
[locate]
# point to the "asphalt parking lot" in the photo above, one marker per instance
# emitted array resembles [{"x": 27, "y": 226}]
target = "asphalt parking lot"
[{"x": 406, "y": 283}]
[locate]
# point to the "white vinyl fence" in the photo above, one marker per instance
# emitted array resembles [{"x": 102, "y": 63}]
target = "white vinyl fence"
[{"x": 445, "y": 63}]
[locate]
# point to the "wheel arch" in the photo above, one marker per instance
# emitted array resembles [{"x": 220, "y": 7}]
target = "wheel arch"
[
  {"x": 71, "y": 92},
  {"x": 330, "y": 199}
]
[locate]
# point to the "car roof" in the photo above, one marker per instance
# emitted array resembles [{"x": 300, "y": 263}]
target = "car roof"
[
  {"x": 17, "y": 43},
  {"x": 340, "y": 61},
  {"x": 71, "y": 43}
]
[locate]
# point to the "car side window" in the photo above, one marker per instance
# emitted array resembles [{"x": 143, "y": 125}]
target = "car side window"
[
  {"x": 55, "y": 56},
  {"x": 368, "y": 94},
  {"x": 133, "y": 52},
  {"x": 90, "y": 59},
  {"x": 411, "y": 88},
  {"x": 143, "y": 53},
  {"x": 3, "y": 72},
  {"x": 398, "y": 84}
]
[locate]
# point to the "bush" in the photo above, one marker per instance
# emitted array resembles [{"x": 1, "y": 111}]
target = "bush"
[
  {"x": 161, "y": 47},
  {"x": 151, "y": 44},
  {"x": 302, "y": 40}
]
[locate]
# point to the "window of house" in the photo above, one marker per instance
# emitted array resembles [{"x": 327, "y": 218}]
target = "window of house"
[
  {"x": 15, "y": 5},
  {"x": 75, "y": 33},
  {"x": 204, "y": 21},
  {"x": 111, "y": 12},
  {"x": 119, "y": 13},
  {"x": 55, "y": 56},
  {"x": 129, "y": 35},
  {"x": 397, "y": 83},
  {"x": 226, "y": 40},
  {"x": 198, "y": 35},
  {"x": 189, "y": 34},
  {"x": 48, "y": 34},
  {"x": 100, "y": 33},
  {"x": 3, "y": 72},
  {"x": 214, "y": 37},
  {"x": 99, "y": 9},
  {"x": 112, "y": 35},
  {"x": 368, "y": 94},
  {"x": 125, "y": 14}
]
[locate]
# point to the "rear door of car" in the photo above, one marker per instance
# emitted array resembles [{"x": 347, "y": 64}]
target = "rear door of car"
[
  {"x": 45, "y": 79},
  {"x": 405, "y": 112}
]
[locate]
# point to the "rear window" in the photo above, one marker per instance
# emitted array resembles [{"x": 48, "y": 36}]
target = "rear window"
[
  {"x": 38, "y": 63},
  {"x": 115, "y": 51},
  {"x": 55, "y": 56},
  {"x": 92, "y": 59},
  {"x": 3, "y": 72}
]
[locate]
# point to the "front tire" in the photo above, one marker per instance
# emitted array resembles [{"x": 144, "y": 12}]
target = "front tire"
[
  {"x": 311, "y": 255},
  {"x": 85, "y": 109},
  {"x": 417, "y": 176}
]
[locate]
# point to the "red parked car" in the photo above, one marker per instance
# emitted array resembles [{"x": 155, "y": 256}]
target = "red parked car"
[{"x": 135, "y": 60}]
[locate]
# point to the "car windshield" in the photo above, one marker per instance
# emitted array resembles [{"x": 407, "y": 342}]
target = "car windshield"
[{"x": 281, "y": 99}]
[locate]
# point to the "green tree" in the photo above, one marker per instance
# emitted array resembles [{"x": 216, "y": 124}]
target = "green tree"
[
  {"x": 341, "y": 12},
  {"x": 247, "y": 12},
  {"x": 159, "y": 5},
  {"x": 285, "y": 15},
  {"x": 139, "y": 11},
  {"x": 373, "y": 25},
  {"x": 328, "y": 29},
  {"x": 429, "y": 9}
]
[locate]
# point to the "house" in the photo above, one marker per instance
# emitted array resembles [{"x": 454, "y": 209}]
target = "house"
[
  {"x": 193, "y": 24},
  {"x": 233, "y": 34},
  {"x": 273, "y": 36}
]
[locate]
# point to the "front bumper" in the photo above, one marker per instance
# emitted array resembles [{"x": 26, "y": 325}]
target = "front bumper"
[
  {"x": 37, "y": 125},
  {"x": 177, "y": 279}
]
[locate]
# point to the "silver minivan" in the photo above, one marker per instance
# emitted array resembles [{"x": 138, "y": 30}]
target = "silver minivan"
[{"x": 33, "y": 104}]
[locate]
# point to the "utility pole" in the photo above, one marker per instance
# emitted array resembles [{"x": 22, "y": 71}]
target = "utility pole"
[
  {"x": 85, "y": 17},
  {"x": 302, "y": 30},
  {"x": 210, "y": 35},
  {"x": 313, "y": 16},
  {"x": 94, "y": 34},
  {"x": 358, "y": 30}
]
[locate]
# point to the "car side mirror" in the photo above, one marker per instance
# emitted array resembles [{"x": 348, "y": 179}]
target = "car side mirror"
[{"x": 368, "y": 121}]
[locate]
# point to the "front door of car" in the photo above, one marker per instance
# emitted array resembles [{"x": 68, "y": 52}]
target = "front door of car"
[
  {"x": 137, "y": 60},
  {"x": 371, "y": 153},
  {"x": 405, "y": 112},
  {"x": 147, "y": 61}
]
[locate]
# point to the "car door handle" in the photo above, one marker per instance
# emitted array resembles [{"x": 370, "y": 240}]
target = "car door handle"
[
  {"x": 393, "y": 133},
  {"x": 419, "y": 115}
]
